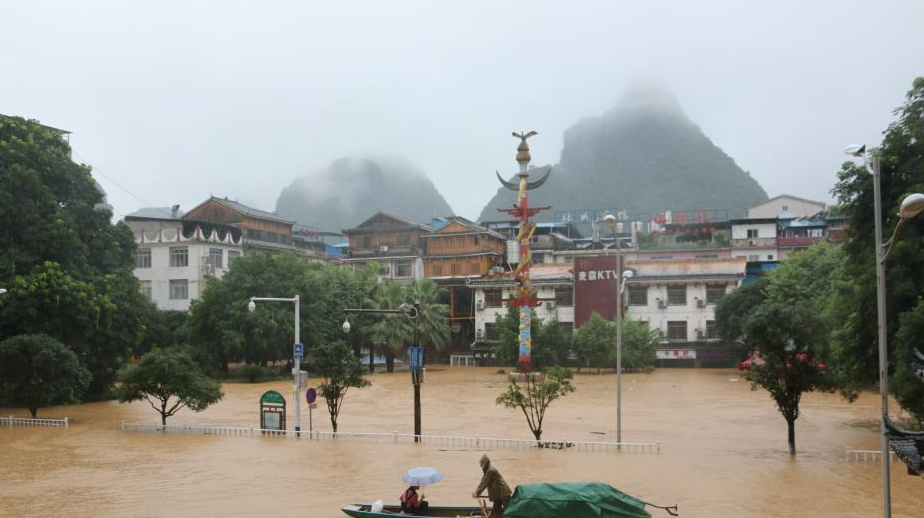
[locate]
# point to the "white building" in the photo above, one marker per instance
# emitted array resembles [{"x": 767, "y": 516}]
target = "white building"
[
  {"x": 755, "y": 239},
  {"x": 785, "y": 204},
  {"x": 174, "y": 257},
  {"x": 676, "y": 298}
]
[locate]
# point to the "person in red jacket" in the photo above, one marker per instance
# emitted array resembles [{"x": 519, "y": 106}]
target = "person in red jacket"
[{"x": 412, "y": 503}]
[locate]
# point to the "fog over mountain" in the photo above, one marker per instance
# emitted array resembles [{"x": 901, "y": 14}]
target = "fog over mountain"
[
  {"x": 642, "y": 154},
  {"x": 352, "y": 189}
]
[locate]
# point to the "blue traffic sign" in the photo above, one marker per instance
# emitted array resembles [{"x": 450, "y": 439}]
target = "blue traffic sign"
[
  {"x": 299, "y": 352},
  {"x": 415, "y": 355},
  {"x": 311, "y": 395}
]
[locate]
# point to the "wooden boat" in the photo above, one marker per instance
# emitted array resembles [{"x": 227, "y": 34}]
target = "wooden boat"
[{"x": 391, "y": 511}]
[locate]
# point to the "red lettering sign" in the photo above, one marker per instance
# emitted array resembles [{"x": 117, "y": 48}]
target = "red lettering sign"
[{"x": 594, "y": 287}]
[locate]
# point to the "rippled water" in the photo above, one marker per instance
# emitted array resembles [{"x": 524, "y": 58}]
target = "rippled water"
[{"x": 723, "y": 452}]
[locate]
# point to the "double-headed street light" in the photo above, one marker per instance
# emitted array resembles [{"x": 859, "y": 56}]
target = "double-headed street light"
[
  {"x": 910, "y": 207},
  {"x": 416, "y": 356},
  {"x": 298, "y": 350}
]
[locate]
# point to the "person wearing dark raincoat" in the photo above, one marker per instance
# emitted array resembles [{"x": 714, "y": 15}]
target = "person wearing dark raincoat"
[{"x": 498, "y": 490}]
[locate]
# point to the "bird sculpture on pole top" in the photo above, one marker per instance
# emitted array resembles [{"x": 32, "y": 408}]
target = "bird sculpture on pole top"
[{"x": 526, "y": 295}]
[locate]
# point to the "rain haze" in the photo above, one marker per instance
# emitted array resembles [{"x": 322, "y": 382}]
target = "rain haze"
[{"x": 173, "y": 101}]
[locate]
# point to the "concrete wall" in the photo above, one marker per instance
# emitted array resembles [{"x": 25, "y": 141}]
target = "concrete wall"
[{"x": 785, "y": 204}]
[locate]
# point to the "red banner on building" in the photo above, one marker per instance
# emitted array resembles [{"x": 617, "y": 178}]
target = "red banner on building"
[{"x": 594, "y": 287}]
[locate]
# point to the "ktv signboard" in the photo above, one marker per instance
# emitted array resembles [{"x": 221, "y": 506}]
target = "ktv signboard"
[{"x": 594, "y": 287}]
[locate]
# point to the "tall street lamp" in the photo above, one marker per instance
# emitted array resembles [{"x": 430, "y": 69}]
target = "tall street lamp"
[
  {"x": 910, "y": 207},
  {"x": 298, "y": 350},
  {"x": 611, "y": 222},
  {"x": 415, "y": 353}
]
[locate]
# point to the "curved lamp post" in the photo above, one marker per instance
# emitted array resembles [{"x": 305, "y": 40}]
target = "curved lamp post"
[
  {"x": 910, "y": 207},
  {"x": 621, "y": 276},
  {"x": 412, "y": 312},
  {"x": 297, "y": 352}
]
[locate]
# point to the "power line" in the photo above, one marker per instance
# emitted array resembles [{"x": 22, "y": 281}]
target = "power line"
[{"x": 130, "y": 193}]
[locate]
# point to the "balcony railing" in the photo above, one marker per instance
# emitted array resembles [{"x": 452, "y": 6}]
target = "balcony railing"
[{"x": 798, "y": 241}]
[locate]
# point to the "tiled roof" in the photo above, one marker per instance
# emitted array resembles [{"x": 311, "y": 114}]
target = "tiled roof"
[{"x": 250, "y": 211}]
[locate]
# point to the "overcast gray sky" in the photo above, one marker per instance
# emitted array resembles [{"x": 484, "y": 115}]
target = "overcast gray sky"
[{"x": 175, "y": 101}]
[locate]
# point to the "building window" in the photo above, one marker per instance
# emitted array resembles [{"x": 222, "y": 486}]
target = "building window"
[
  {"x": 404, "y": 239},
  {"x": 638, "y": 295},
  {"x": 143, "y": 258},
  {"x": 712, "y": 330},
  {"x": 146, "y": 290},
  {"x": 179, "y": 289},
  {"x": 753, "y": 258},
  {"x": 233, "y": 255},
  {"x": 474, "y": 269},
  {"x": 490, "y": 332},
  {"x": 216, "y": 258},
  {"x": 677, "y": 295},
  {"x": 564, "y": 297},
  {"x": 179, "y": 256},
  {"x": 714, "y": 292},
  {"x": 677, "y": 331},
  {"x": 567, "y": 327},
  {"x": 770, "y": 257},
  {"x": 752, "y": 232},
  {"x": 437, "y": 269},
  {"x": 475, "y": 239},
  {"x": 404, "y": 269},
  {"x": 456, "y": 269},
  {"x": 785, "y": 208},
  {"x": 492, "y": 298}
]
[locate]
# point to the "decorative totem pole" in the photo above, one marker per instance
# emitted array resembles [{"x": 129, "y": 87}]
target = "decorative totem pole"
[{"x": 526, "y": 295}]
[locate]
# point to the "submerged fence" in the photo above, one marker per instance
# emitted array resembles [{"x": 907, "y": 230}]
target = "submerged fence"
[
  {"x": 868, "y": 455},
  {"x": 401, "y": 438},
  {"x": 24, "y": 421}
]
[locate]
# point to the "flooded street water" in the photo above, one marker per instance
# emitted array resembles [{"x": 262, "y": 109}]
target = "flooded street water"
[{"x": 723, "y": 451}]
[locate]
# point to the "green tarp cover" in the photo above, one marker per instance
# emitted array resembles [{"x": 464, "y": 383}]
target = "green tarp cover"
[{"x": 572, "y": 500}]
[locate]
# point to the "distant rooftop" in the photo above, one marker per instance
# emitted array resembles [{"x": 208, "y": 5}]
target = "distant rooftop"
[
  {"x": 156, "y": 213},
  {"x": 250, "y": 211}
]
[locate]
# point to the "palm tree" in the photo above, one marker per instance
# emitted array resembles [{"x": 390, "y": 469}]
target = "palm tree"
[
  {"x": 393, "y": 331},
  {"x": 433, "y": 322}
]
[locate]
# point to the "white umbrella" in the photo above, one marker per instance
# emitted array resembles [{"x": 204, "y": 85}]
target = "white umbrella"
[{"x": 422, "y": 476}]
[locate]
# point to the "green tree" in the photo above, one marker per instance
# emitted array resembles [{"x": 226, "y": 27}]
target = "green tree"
[
  {"x": 341, "y": 370},
  {"x": 223, "y": 330},
  {"x": 169, "y": 380},
  {"x": 38, "y": 371},
  {"x": 433, "y": 322},
  {"x": 594, "y": 340},
  {"x": 164, "y": 329},
  {"x": 787, "y": 335},
  {"x": 856, "y": 340},
  {"x": 639, "y": 344},
  {"x": 551, "y": 344},
  {"x": 790, "y": 321},
  {"x": 535, "y": 394},
  {"x": 507, "y": 351},
  {"x": 907, "y": 386},
  {"x": 100, "y": 325},
  {"x": 56, "y": 225},
  {"x": 733, "y": 310},
  {"x": 394, "y": 332}
]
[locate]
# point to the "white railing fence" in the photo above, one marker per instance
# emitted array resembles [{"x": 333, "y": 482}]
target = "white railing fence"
[
  {"x": 401, "y": 438},
  {"x": 25, "y": 421},
  {"x": 868, "y": 455}
]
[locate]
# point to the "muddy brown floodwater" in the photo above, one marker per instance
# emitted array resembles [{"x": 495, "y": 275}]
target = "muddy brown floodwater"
[{"x": 723, "y": 452}]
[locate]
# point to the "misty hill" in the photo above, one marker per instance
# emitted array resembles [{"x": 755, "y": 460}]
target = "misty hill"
[
  {"x": 643, "y": 154},
  {"x": 350, "y": 190}
]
